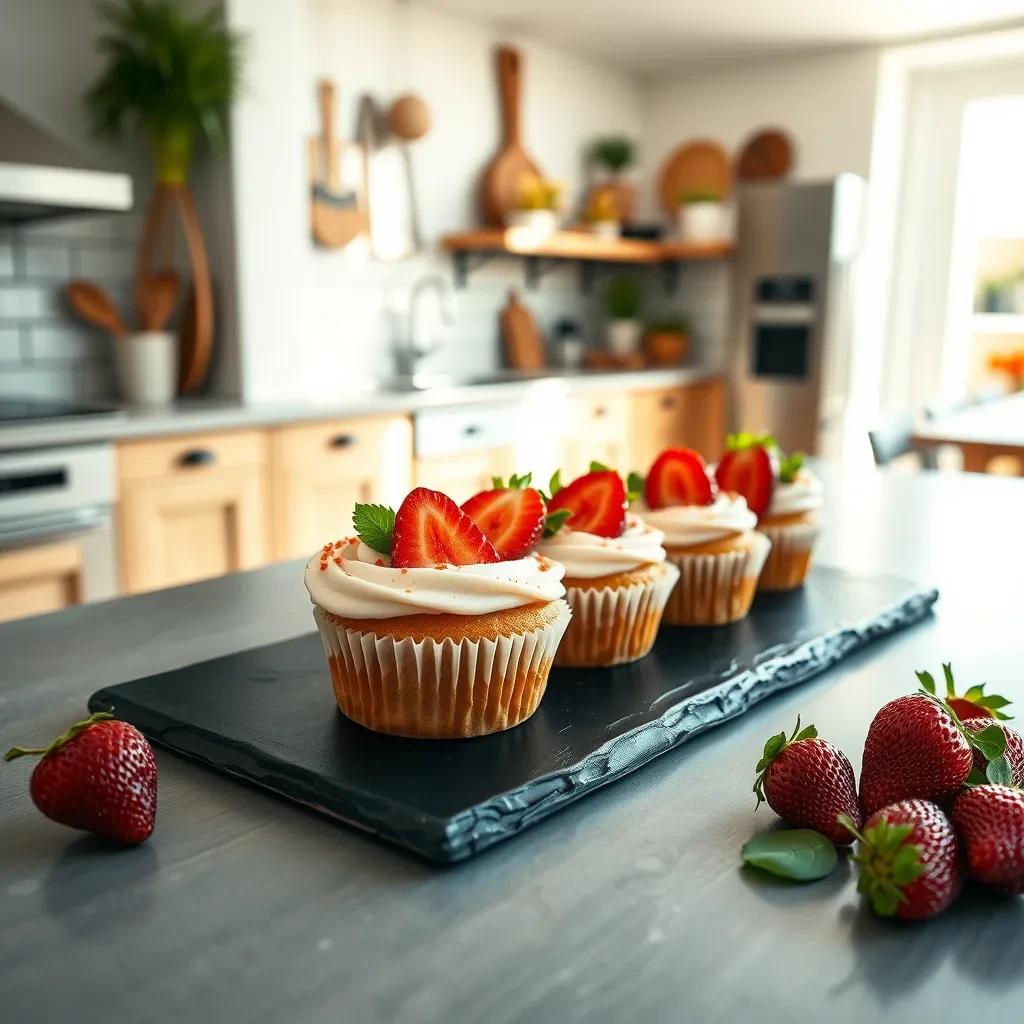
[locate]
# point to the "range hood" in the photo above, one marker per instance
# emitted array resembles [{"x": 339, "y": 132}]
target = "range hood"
[{"x": 41, "y": 178}]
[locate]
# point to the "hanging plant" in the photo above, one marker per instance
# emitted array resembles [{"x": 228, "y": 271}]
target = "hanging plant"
[{"x": 168, "y": 74}]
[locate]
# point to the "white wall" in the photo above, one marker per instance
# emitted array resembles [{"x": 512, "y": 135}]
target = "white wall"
[
  {"x": 315, "y": 322},
  {"x": 824, "y": 101}
]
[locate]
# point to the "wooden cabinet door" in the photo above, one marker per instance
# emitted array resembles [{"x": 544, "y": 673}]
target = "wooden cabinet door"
[
  {"x": 599, "y": 430},
  {"x": 39, "y": 579},
  {"x": 320, "y": 470},
  {"x": 461, "y": 475},
  {"x": 692, "y": 416},
  {"x": 192, "y": 508}
]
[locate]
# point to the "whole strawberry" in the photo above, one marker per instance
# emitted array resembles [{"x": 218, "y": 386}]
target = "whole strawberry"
[
  {"x": 1014, "y": 753},
  {"x": 909, "y": 860},
  {"x": 99, "y": 776},
  {"x": 809, "y": 782},
  {"x": 990, "y": 821},
  {"x": 918, "y": 749},
  {"x": 974, "y": 703}
]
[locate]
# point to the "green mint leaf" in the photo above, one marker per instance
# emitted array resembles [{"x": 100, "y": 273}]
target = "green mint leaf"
[
  {"x": 635, "y": 482},
  {"x": 999, "y": 772},
  {"x": 554, "y": 521},
  {"x": 599, "y": 467},
  {"x": 927, "y": 681},
  {"x": 555, "y": 484},
  {"x": 802, "y": 854},
  {"x": 375, "y": 525},
  {"x": 991, "y": 741},
  {"x": 790, "y": 466}
]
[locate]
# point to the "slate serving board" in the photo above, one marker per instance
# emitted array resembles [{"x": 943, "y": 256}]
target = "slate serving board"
[{"x": 268, "y": 716}]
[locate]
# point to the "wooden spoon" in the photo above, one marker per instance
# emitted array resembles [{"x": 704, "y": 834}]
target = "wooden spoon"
[
  {"x": 95, "y": 306},
  {"x": 158, "y": 295}
]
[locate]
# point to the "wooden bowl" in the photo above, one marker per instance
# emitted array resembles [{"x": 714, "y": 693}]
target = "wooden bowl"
[
  {"x": 666, "y": 348},
  {"x": 409, "y": 118}
]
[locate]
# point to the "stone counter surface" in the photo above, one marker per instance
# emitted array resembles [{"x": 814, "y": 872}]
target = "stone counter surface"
[
  {"x": 193, "y": 416},
  {"x": 629, "y": 906}
]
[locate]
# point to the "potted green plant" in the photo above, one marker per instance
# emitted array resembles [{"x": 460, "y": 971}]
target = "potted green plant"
[
  {"x": 667, "y": 341},
  {"x": 625, "y": 329},
  {"x": 168, "y": 75},
  {"x": 611, "y": 198},
  {"x": 538, "y": 207},
  {"x": 703, "y": 216}
]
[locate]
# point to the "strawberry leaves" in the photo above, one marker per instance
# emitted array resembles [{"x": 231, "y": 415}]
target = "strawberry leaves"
[
  {"x": 974, "y": 702},
  {"x": 888, "y": 863},
  {"x": 554, "y": 521},
  {"x": 801, "y": 854},
  {"x": 742, "y": 441},
  {"x": 772, "y": 748},
  {"x": 790, "y": 466},
  {"x": 515, "y": 483},
  {"x": 375, "y": 526}
]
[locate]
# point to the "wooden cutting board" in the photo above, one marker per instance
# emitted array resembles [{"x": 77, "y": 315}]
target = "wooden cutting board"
[
  {"x": 765, "y": 156},
  {"x": 698, "y": 166},
  {"x": 524, "y": 344},
  {"x": 499, "y": 190}
]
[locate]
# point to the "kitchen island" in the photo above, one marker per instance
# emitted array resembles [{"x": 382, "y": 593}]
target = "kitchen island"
[{"x": 629, "y": 906}]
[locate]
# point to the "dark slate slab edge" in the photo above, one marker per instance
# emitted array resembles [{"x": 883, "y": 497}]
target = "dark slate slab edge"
[
  {"x": 508, "y": 814},
  {"x": 451, "y": 839}
]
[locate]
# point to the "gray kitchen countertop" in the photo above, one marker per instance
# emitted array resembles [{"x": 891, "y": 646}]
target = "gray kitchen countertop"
[
  {"x": 198, "y": 415},
  {"x": 631, "y": 905}
]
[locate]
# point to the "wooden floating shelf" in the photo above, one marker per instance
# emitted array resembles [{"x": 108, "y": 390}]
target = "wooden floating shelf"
[{"x": 575, "y": 246}]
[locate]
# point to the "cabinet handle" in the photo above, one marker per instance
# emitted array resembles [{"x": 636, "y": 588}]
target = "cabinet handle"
[
  {"x": 342, "y": 441},
  {"x": 471, "y": 430},
  {"x": 668, "y": 402},
  {"x": 198, "y": 457}
]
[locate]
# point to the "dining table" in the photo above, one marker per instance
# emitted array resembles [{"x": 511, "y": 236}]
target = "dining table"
[
  {"x": 632, "y": 904},
  {"x": 982, "y": 431}
]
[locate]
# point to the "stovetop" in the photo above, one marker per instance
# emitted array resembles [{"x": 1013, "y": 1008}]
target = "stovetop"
[{"x": 26, "y": 410}]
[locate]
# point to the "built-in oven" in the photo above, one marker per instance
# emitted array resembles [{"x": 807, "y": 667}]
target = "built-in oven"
[{"x": 57, "y": 543}]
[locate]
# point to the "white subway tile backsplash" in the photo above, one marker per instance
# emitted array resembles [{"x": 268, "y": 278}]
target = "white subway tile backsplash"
[
  {"x": 27, "y": 302},
  {"x": 10, "y": 345},
  {"x": 40, "y": 382},
  {"x": 44, "y": 262},
  {"x": 93, "y": 262},
  {"x": 65, "y": 344},
  {"x": 6, "y": 258}
]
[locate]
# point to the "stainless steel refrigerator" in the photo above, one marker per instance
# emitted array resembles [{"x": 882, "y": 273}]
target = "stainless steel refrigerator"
[{"x": 796, "y": 252}]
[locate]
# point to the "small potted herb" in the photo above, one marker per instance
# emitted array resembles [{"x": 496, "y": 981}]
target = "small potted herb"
[
  {"x": 667, "y": 341},
  {"x": 538, "y": 209},
  {"x": 625, "y": 329},
  {"x": 703, "y": 216},
  {"x": 611, "y": 195}
]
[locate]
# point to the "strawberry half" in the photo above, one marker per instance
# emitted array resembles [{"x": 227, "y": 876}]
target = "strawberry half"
[
  {"x": 511, "y": 518},
  {"x": 990, "y": 821},
  {"x": 809, "y": 782},
  {"x": 746, "y": 468},
  {"x": 909, "y": 860},
  {"x": 99, "y": 776},
  {"x": 678, "y": 477},
  {"x": 431, "y": 530},
  {"x": 975, "y": 703},
  {"x": 597, "y": 502}
]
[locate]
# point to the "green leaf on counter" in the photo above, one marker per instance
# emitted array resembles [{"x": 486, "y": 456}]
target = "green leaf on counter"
[
  {"x": 801, "y": 854},
  {"x": 375, "y": 525}
]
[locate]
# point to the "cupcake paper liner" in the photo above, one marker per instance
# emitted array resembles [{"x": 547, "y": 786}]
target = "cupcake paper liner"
[
  {"x": 611, "y": 626},
  {"x": 439, "y": 689},
  {"x": 716, "y": 589},
  {"x": 790, "y": 559}
]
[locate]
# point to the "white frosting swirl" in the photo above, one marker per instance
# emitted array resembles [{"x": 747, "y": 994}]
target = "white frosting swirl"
[
  {"x": 354, "y": 581},
  {"x": 686, "y": 525},
  {"x": 804, "y": 494},
  {"x": 587, "y": 556}
]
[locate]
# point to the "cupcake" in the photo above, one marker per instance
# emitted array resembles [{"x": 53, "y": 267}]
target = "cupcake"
[
  {"x": 429, "y": 632},
  {"x": 786, "y": 497},
  {"x": 709, "y": 536},
  {"x": 616, "y": 578}
]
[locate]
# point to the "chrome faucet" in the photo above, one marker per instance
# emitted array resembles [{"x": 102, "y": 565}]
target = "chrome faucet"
[{"x": 414, "y": 348}]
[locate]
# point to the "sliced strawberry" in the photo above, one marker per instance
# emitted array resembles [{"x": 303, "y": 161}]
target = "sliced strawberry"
[
  {"x": 430, "y": 530},
  {"x": 678, "y": 477},
  {"x": 597, "y": 502},
  {"x": 512, "y": 519},
  {"x": 748, "y": 471}
]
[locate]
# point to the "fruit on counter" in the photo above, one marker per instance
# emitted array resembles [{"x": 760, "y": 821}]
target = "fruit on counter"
[
  {"x": 801, "y": 854},
  {"x": 990, "y": 822},
  {"x": 917, "y": 748},
  {"x": 975, "y": 703},
  {"x": 596, "y": 502},
  {"x": 430, "y": 530},
  {"x": 678, "y": 477},
  {"x": 510, "y": 516},
  {"x": 99, "y": 776},
  {"x": 1014, "y": 754},
  {"x": 809, "y": 782},
  {"x": 909, "y": 860},
  {"x": 747, "y": 468}
]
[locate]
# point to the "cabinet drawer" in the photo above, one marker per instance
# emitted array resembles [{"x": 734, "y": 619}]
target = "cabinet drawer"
[
  {"x": 332, "y": 447},
  {"x": 192, "y": 455},
  {"x": 473, "y": 428},
  {"x": 606, "y": 415}
]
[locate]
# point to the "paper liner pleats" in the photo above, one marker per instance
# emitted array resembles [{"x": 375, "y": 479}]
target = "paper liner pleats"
[
  {"x": 439, "y": 689},
  {"x": 612, "y": 626},
  {"x": 790, "y": 559},
  {"x": 716, "y": 589}
]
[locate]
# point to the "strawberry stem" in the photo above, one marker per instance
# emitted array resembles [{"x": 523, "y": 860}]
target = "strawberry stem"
[{"x": 77, "y": 729}]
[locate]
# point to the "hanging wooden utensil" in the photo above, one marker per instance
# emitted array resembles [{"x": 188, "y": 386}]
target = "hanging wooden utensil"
[
  {"x": 766, "y": 156},
  {"x": 338, "y": 212},
  {"x": 95, "y": 306},
  {"x": 695, "y": 167},
  {"x": 524, "y": 344},
  {"x": 160, "y": 294},
  {"x": 499, "y": 190}
]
